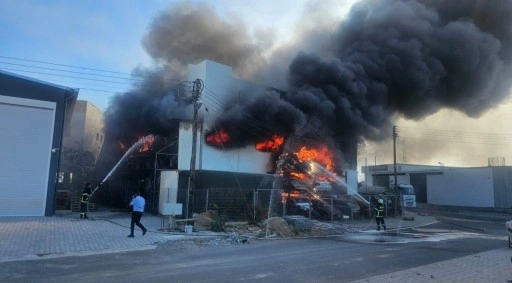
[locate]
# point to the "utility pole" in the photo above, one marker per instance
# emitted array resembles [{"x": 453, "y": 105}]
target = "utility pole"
[
  {"x": 197, "y": 88},
  {"x": 395, "y": 135}
]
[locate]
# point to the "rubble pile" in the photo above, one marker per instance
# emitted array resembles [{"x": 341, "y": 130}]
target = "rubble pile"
[
  {"x": 204, "y": 220},
  {"x": 231, "y": 239},
  {"x": 279, "y": 227}
]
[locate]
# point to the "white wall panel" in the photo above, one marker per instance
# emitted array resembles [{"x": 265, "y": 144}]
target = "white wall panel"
[
  {"x": 26, "y": 128},
  {"x": 462, "y": 187},
  {"x": 168, "y": 188}
]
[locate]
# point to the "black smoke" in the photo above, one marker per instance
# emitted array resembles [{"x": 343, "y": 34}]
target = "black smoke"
[
  {"x": 408, "y": 58},
  {"x": 386, "y": 59},
  {"x": 183, "y": 34}
]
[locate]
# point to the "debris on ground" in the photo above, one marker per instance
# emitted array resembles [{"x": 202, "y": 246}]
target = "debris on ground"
[
  {"x": 277, "y": 226},
  {"x": 231, "y": 239},
  {"x": 204, "y": 221}
]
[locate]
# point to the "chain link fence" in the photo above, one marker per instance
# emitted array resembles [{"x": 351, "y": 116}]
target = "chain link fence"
[{"x": 254, "y": 205}]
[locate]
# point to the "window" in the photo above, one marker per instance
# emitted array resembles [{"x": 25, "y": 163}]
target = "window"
[{"x": 61, "y": 177}]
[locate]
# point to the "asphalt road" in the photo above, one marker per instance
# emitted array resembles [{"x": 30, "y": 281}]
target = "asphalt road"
[{"x": 335, "y": 259}]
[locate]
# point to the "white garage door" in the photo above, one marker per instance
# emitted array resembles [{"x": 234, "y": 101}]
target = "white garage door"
[{"x": 26, "y": 129}]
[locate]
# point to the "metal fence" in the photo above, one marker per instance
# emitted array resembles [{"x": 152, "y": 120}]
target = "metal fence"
[
  {"x": 232, "y": 204},
  {"x": 238, "y": 204}
]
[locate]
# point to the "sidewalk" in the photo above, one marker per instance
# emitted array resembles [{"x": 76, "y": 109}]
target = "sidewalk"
[
  {"x": 23, "y": 238},
  {"x": 106, "y": 232},
  {"x": 490, "y": 266},
  {"x": 64, "y": 235}
]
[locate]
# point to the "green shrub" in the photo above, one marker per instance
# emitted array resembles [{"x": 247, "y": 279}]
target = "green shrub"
[
  {"x": 218, "y": 224},
  {"x": 295, "y": 230}
]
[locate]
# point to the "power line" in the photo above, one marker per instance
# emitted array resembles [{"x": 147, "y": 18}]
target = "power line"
[
  {"x": 69, "y": 66},
  {"x": 67, "y": 71},
  {"x": 65, "y": 76},
  {"x": 131, "y": 77}
]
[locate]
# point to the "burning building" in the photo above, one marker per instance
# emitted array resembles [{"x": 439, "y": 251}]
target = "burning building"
[
  {"x": 234, "y": 155},
  {"x": 386, "y": 59}
]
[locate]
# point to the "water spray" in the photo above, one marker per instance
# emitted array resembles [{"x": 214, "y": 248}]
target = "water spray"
[
  {"x": 136, "y": 145},
  {"x": 340, "y": 181}
]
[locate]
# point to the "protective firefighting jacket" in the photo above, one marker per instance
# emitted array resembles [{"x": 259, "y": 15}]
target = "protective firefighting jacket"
[
  {"x": 85, "y": 197},
  {"x": 379, "y": 210}
]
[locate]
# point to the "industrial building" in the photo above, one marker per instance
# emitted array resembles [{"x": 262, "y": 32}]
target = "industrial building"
[
  {"x": 33, "y": 117},
  {"x": 86, "y": 129},
  {"x": 236, "y": 173},
  {"x": 484, "y": 187}
]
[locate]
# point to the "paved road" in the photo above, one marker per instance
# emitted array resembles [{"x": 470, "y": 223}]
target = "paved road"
[
  {"x": 457, "y": 249},
  {"x": 333, "y": 259}
]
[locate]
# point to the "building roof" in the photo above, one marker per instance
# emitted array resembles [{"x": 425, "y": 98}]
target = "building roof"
[{"x": 12, "y": 77}]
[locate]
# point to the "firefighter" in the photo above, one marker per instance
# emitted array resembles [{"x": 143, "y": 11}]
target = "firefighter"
[
  {"x": 379, "y": 214},
  {"x": 84, "y": 201}
]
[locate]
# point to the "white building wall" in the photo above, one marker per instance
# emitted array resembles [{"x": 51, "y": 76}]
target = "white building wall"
[
  {"x": 168, "y": 188},
  {"x": 185, "y": 146},
  {"x": 220, "y": 86},
  {"x": 27, "y": 127},
  {"x": 351, "y": 182},
  {"x": 401, "y": 179},
  {"x": 462, "y": 187}
]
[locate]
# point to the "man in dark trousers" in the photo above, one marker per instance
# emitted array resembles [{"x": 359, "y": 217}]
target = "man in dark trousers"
[
  {"x": 137, "y": 205},
  {"x": 84, "y": 200},
  {"x": 379, "y": 214}
]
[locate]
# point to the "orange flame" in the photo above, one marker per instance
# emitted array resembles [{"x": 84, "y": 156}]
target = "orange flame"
[
  {"x": 321, "y": 155},
  {"x": 217, "y": 139},
  {"x": 298, "y": 175},
  {"x": 270, "y": 145},
  {"x": 147, "y": 143}
]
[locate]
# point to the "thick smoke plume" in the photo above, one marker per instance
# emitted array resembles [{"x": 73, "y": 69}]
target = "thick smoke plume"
[
  {"x": 184, "y": 34},
  {"x": 387, "y": 58},
  {"x": 409, "y": 58}
]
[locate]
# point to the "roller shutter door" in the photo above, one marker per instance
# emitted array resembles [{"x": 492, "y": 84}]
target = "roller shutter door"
[{"x": 26, "y": 128}]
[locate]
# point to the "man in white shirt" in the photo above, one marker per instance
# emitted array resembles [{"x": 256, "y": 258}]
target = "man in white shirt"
[{"x": 137, "y": 204}]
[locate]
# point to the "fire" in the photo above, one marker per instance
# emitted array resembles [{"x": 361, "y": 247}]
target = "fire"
[
  {"x": 147, "y": 142},
  {"x": 270, "y": 145},
  {"x": 298, "y": 175},
  {"x": 217, "y": 139},
  {"x": 321, "y": 155}
]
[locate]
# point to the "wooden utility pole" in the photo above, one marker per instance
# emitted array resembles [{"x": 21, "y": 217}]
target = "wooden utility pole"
[{"x": 196, "y": 93}]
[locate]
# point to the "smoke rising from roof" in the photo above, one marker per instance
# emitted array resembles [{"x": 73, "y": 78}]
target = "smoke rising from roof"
[
  {"x": 189, "y": 33},
  {"x": 387, "y": 58}
]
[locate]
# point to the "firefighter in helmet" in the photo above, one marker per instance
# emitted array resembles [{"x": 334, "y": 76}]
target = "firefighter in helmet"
[
  {"x": 379, "y": 215},
  {"x": 84, "y": 200}
]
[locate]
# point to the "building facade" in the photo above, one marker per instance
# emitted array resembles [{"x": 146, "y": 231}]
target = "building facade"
[
  {"x": 86, "y": 129},
  {"x": 485, "y": 187},
  {"x": 33, "y": 117}
]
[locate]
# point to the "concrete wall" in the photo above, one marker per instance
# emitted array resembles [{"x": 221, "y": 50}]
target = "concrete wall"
[
  {"x": 220, "y": 86},
  {"x": 462, "y": 187},
  {"x": 86, "y": 131},
  {"x": 502, "y": 187}
]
